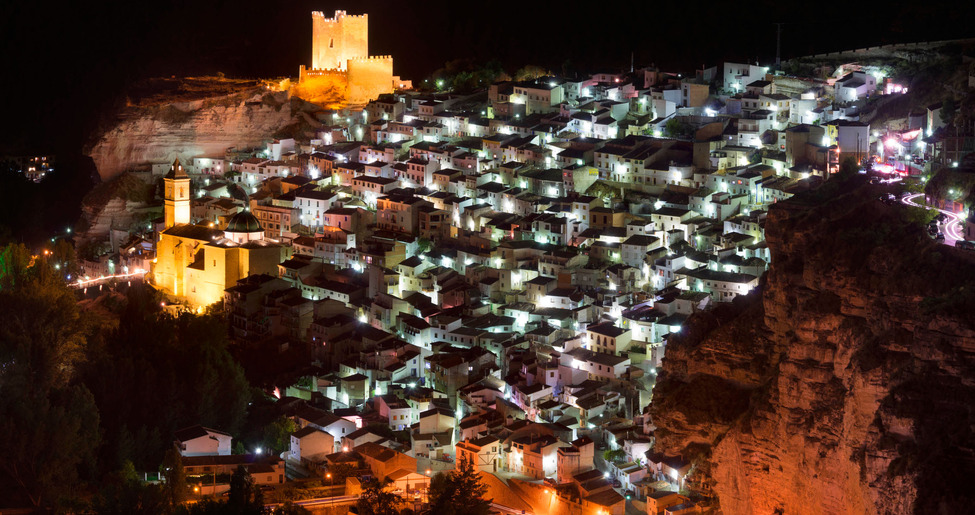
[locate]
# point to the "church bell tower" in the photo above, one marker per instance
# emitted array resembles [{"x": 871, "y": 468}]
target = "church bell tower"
[{"x": 177, "y": 195}]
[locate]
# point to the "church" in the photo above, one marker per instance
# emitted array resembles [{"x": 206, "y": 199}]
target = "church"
[{"x": 196, "y": 263}]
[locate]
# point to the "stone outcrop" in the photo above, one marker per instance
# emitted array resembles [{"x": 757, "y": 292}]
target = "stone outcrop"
[
  {"x": 148, "y": 134},
  {"x": 120, "y": 203},
  {"x": 846, "y": 384}
]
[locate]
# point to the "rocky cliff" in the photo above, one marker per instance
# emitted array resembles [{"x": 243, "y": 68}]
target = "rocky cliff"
[
  {"x": 847, "y": 383},
  {"x": 158, "y": 130}
]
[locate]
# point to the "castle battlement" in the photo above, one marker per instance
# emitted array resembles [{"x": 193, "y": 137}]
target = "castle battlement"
[
  {"x": 325, "y": 70},
  {"x": 340, "y": 58},
  {"x": 338, "y": 16},
  {"x": 371, "y": 58}
]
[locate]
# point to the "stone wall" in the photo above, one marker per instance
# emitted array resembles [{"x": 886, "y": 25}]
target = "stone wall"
[
  {"x": 369, "y": 77},
  {"x": 337, "y": 40}
]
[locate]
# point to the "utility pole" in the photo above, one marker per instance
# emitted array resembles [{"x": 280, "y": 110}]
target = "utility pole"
[{"x": 778, "y": 45}]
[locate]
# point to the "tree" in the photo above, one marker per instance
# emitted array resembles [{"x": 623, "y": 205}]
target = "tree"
[
  {"x": 459, "y": 492},
  {"x": 48, "y": 420},
  {"x": 277, "y": 435},
  {"x": 949, "y": 108},
  {"x": 376, "y": 499},
  {"x": 530, "y": 72},
  {"x": 64, "y": 259},
  {"x": 848, "y": 168},
  {"x": 244, "y": 497},
  {"x": 614, "y": 456},
  {"x": 125, "y": 494},
  {"x": 339, "y": 473},
  {"x": 175, "y": 485},
  {"x": 676, "y": 128}
]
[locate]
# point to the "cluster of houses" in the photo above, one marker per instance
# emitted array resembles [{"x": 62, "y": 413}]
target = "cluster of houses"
[
  {"x": 498, "y": 281},
  {"x": 206, "y": 452}
]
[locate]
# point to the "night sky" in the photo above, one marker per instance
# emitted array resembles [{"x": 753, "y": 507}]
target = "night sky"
[{"x": 73, "y": 61}]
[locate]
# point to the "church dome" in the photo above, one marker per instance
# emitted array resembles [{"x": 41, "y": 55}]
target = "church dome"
[{"x": 244, "y": 222}]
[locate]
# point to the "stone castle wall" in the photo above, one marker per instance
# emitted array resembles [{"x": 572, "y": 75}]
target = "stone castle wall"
[
  {"x": 337, "y": 40},
  {"x": 369, "y": 77},
  {"x": 341, "y": 65},
  {"x": 333, "y": 74}
]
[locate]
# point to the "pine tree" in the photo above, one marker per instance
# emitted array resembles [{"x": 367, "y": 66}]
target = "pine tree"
[
  {"x": 376, "y": 500},
  {"x": 460, "y": 492}
]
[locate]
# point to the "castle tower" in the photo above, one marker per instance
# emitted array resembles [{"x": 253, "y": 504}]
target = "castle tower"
[
  {"x": 177, "y": 195},
  {"x": 336, "y": 40}
]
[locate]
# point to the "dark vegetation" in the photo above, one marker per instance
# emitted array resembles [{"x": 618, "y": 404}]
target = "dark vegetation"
[
  {"x": 163, "y": 90},
  {"x": 90, "y": 393},
  {"x": 377, "y": 499},
  {"x": 156, "y": 373},
  {"x": 460, "y": 492},
  {"x": 955, "y": 184}
]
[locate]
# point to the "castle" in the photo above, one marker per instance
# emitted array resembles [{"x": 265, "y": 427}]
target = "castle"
[
  {"x": 340, "y": 59},
  {"x": 196, "y": 263}
]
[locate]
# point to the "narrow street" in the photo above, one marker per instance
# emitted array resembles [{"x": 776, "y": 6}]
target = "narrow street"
[{"x": 952, "y": 228}]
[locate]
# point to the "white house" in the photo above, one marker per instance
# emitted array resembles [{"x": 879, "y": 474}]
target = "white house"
[
  {"x": 853, "y": 86},
  {"x": 484, "y": 453},
  {"x": 313, "y": 205},
  {"x": 311, "y": 445},
  {"x": 203, "y": 441}
]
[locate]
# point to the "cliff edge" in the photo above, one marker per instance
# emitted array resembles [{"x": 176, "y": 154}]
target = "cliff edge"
[
  {"x": 847, "y": 383},
  {"x": 197, "y": 117}
]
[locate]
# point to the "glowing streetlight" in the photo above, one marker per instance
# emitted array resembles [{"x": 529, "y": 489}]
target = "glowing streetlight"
[{"x": 330, "y": 492}]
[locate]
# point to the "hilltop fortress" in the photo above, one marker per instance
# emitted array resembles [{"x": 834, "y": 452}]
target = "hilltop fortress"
[{"x": 340, "y": 60}]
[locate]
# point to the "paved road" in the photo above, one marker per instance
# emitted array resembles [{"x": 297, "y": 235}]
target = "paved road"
[
  {"x": 138, "y": 275},
  {"x": 952, "y": 228},
  {"x": 504, "y": 509},
  {"x": 322, "y": 501}
]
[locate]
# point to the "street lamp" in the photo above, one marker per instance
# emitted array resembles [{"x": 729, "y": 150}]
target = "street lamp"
[
  {"x": 417, "y": 508},
  {"x": 331, "y": 491}
]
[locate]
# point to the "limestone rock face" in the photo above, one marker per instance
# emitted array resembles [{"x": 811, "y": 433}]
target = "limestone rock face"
[
  {"x": 204, "y": 127},
  {"x": 846, "y": 384}
]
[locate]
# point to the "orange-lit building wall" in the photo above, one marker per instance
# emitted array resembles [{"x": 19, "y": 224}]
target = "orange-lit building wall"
[
  {"x": 369, "y": 77},
  {"x": 336, "y": 40},
  {"x": 342, "y": 72}
]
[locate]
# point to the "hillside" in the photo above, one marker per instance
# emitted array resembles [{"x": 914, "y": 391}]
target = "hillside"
[{"x": 846, "y": 384}]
